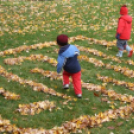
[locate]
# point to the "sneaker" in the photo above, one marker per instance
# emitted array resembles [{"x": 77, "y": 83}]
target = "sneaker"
[
  {"x": 118, "y": 55},
  {"x": 79, "y": 95},
  {"x": 66, "y": 86},
  {"x": 130, "y": 53}
]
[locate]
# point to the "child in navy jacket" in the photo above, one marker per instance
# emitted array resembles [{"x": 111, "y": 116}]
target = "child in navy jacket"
[{"x": 67, "y": 59}]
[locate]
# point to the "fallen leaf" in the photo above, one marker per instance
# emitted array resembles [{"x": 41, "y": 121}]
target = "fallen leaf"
[
  {"x": 89, "y": 132},
  {"x": 111, "y": 127},
  {"x": 87, "y": 99},
  {"x": 119, "y": 124},
  {"x": 105, "y": 99},
  {"x": 97, "y": 95},
  {"x": 132, "y": 131},
  {"x": 94, "y": 108}
]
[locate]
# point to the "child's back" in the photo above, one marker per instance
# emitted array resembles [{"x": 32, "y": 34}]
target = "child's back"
[
  {"x": 70, "y": 53},
  {"x": 67, "y": 59}
]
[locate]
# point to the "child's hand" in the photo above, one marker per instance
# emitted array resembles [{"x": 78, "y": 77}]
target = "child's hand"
[{"x": 118, "y": 36}]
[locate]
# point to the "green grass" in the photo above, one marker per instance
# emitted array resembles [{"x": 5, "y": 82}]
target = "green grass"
[{"x": 37, "y": 22}]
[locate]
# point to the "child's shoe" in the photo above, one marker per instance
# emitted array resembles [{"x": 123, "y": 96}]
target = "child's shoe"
[
  {"x": 130, "y": 53},
  {"x": 79, "y": 95},
  {"x": 66, "y": 86},
  {"x": 118, "y": 55}
]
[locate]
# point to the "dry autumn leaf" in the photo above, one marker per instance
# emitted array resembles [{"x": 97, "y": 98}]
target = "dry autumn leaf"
[
  {"x": 111, "y": 127},
  {"x": 120, "y": 123},
  {"x": 132, "y": 131},
  {"x": 97, "y": 95},
  {"x": 104, "y": 99}
]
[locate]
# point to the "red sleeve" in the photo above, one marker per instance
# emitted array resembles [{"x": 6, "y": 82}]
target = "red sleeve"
[{"x": 121, "y": 25}]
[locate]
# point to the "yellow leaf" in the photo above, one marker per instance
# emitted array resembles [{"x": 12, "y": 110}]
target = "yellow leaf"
[
  {"x": 75, "y": 99},
  {"x": 89, "y": 132},
  {"x": 112, "y": 106}
]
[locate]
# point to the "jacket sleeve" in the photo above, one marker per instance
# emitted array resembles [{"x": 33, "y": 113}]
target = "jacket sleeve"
[
  {"x": 61, "y": 61},
  {"x": 121, "y": 25},
  {"x": 77, "y": 52}
]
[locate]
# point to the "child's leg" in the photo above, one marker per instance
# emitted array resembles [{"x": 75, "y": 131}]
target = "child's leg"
[
  {"x": 65, "y": 77},
  {"x": 129, "y": 49},
  {"x": 77, "y": 82},
  {"x": 120, "y": 45},
  {"x": 120, "y": 53}
]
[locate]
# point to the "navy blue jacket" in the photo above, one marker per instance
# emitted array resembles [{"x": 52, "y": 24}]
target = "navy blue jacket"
[{"x": 67, "y": 59}]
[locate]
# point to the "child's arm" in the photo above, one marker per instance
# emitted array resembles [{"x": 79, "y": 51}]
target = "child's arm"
[
  {"x": 61, "y": 63},
  {"x": 121, "y": 25},
  {"x": 77, "y": 52}
]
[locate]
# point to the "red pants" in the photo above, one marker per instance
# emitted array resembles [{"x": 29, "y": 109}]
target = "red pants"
[{"x": 76, "y": 77}]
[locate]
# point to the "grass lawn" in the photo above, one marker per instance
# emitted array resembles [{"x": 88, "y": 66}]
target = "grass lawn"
[{"x": 29, "y": 23}]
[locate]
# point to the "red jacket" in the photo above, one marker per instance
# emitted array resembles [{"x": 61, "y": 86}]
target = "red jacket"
[{"x": 124, "y": 27}]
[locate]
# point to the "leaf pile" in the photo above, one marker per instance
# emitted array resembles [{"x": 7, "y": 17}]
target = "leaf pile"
[
  {"x": 50, "y": 74},
  {"x": 38, "y": 57},
  {"x": 8, "y": 95},
  {"x": 107, "y": 79},
  {"x": 35, "y": 108}
]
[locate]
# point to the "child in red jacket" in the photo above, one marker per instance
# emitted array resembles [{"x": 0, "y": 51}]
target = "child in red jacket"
[{"x": 124, "y": 32}]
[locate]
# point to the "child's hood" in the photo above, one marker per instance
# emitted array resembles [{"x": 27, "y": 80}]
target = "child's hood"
[
  {"x": 63, "y": 49},
  {"x": 126, "y": 18},
  {"x": 68, "y": 51}
]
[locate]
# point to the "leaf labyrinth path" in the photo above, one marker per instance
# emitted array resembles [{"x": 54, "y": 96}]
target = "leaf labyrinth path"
[
  {"x": 124, "y": 70},
  {"x": 38, "y": 57},
  {"x": 73, "y": 125},
  {"x": 36, "y": 86},
  {"x": 107, "y": 79},
  {"x": 8, "y": 95},
  {"x": 36, "y": 46},
  {"x": 27, "y": 22},
  {"x": 90, "y": 86},
  {"x": 48, "y": 44},
  {"x": 101, "y": 54},
  {"x": 105, "y": 56},
  {"x": 34, "y": 108}
]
